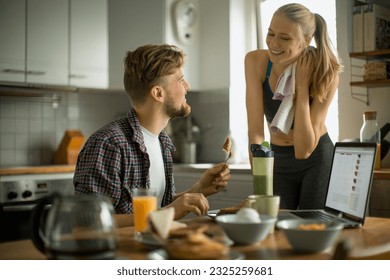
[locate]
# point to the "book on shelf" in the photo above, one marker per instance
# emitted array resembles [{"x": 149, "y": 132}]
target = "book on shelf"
[
  {"x": 358, "y": 36},
  {"x": 376, "y": 31}
]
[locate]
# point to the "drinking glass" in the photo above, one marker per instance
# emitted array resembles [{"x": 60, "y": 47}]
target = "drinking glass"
[
  {"x": 144, "y": 201},
  {"x": 269, "y": 205}
]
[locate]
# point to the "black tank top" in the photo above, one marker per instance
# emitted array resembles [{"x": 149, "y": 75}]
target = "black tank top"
[{"x": 270, "y": 106}]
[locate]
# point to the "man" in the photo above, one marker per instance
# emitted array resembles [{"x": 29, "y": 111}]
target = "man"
[{"x": 135, "y": 152}]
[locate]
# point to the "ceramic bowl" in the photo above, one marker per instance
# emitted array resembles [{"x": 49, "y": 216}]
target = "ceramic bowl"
[
  {"x": 246, "y": 233},
  {"x": 309, "y": 241}
]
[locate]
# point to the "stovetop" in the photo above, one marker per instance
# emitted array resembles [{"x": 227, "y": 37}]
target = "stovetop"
[{"x": 25, "y": 185}]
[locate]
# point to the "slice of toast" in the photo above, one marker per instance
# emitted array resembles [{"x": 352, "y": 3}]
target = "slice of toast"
[
  {"x": 227, "y": 146},
  {"x": 161, "y": 221},
  {"x": 228, "y": 210}
]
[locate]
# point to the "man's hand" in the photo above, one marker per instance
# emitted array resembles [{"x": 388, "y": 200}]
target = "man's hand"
[
  {"x": 194, "y": 200},
  {"x": 213, "y": 180},
  {"x": 196, "y": 203}
]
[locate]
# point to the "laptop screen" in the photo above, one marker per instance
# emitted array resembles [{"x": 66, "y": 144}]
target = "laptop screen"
[{"x": 350, "y": 178}]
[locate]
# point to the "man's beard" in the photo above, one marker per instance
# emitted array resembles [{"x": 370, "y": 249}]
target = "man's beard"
[{"x": 174, "y": 112}]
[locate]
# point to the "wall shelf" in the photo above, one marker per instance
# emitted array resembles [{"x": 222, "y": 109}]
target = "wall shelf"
[
  {"x": 371, "y": 55},
  {"x": 360, "y": 87},
  {"x": 376, "y": 83}
]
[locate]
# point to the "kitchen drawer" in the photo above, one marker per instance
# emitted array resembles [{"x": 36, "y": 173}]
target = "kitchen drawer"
[
  {"x": 239, "y": 187},
  {"x": 184, "y": 180}
]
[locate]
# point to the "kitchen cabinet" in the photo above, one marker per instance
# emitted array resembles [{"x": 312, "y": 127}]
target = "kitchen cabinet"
[
  {"x": 34, "y": 47},
  {"x": 360, "y": 88},
  {"x": 103, "y": 31},
  {"x": 12, "y": 43},
  {"x": 54, "y": 42},
  {"x": 88, "y": 43},
  {"x": 239, "y": 187},
  {"x": 130, "y": 25},
  {"x": 75, "y": 42},
  {"x": 47, "y": 42}
]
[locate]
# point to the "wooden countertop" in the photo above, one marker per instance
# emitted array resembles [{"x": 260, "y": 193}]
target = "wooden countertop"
[
  {"x": 374, "y": 233},
  {"x": 383, "y": 173},
  {"x": 43, "y": 169}
]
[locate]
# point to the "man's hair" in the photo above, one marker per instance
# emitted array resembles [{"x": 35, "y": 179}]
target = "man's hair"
[{"x": 146, "y": 66}]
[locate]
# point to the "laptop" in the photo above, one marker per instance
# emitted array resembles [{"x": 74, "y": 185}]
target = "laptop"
[{"x": 349, "y": 186}]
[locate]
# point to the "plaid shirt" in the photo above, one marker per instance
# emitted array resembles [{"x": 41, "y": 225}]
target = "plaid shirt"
[{"x": 114, "y": 161}]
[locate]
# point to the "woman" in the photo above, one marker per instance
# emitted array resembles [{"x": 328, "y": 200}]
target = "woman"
[{"x": 303, "y": 154}]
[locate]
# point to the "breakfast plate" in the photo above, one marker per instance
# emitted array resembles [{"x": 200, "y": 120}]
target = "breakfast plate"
[
  {"x": 150, "y": 241},
  {"x": 224, "y": 211},
  {"x": 213, "y": 213},
  {"x": 161, "y": 254}
]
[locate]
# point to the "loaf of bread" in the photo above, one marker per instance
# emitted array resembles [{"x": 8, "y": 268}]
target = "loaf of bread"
[
  {"x": 185, "y": 242},
  {"x": 196, "y": 246}
]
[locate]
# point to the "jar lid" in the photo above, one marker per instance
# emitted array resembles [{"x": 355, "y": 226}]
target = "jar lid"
[
  {"x": 261, "y": 151},
  {"x": 369, "y": 115}
]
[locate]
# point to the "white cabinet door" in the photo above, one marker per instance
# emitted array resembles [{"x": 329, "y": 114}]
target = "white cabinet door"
[
  {"x": 185, "y": 179},
  {"x": 238, "y": 189},
  {"x": 132, "y": 24},
  {"x": 12, "y": 40},
  {"x": 89, "y": 43},
  {"x": 47, "y": 42}
]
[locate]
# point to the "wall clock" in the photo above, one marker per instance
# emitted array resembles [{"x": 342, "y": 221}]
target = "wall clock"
[{"x": 186, "y": 20}]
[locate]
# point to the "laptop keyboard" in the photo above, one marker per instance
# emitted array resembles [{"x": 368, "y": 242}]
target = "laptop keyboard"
[{"x": 317, "y": 215}]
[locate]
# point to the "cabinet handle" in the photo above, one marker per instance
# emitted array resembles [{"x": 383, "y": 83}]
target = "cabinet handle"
[
  {"x": 36, "y": 73},
  {"x": 14, "y": 71},
  {"x": 76, "y": 76}
]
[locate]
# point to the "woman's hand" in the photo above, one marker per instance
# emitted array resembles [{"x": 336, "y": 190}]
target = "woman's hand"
[{"x": 305, "y": 68}]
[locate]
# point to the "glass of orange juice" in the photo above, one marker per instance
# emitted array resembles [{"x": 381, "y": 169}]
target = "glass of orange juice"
[{"x": 144, "y": 201}]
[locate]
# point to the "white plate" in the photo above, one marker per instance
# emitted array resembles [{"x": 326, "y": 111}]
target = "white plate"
[
  {"x": 212, "y": 213},
  {"x": 149, "y": 240},
  {"x": 161, "y": 254}
]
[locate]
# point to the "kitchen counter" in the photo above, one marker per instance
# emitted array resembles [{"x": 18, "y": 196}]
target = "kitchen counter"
[
  {"x": 244, "y": 168},
  {"x": 374, "y": 233},
  {"x": 383, "y": 173},
  {"x": 43, "y": 169}
]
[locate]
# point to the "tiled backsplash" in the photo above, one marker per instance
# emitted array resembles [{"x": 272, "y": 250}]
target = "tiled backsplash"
[
  {"x": 31, "y": 129},
  {"x": 210, "y": 112}
]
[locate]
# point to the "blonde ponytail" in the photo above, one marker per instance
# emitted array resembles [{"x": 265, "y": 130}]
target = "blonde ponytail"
[{"x": 327, "y": 63}]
